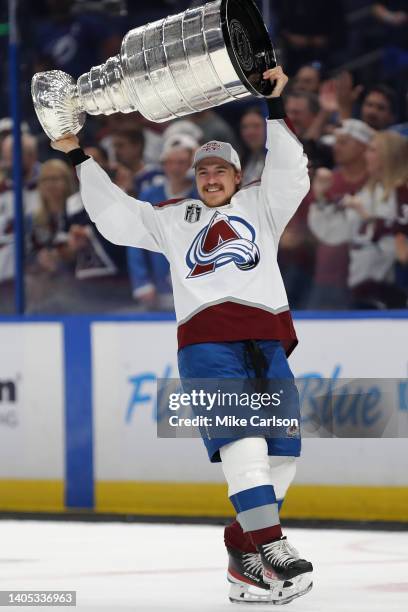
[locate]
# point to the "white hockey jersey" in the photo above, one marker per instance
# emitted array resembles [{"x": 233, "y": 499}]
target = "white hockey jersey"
[{"x": 226, "y": 280}]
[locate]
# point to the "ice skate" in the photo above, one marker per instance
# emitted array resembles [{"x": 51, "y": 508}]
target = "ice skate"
[
  {"x": 245, "y": 574},
  {"x": 282, "y": 563}
]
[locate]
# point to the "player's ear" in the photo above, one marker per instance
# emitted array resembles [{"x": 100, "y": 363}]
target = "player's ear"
[{"x": 238, "y": 177}]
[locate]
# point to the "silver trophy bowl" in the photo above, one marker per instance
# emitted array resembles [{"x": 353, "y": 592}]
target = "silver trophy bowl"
[{"x": 179, "y": 65}]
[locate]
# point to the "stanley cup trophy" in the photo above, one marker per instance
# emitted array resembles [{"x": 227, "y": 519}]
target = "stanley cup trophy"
[{"x": 185, "y": 63}]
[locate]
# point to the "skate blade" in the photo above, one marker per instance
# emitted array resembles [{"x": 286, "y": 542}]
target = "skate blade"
[
  {"x": 301, "y": 585},
  {"x": 290, "y": 598},
  {"x": 247, "y": 594}
]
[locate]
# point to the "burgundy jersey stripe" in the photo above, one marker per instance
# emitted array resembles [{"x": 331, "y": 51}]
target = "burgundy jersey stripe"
[
  {"x": 172, "y": 201},
  {"x": 229, "y": 322}
]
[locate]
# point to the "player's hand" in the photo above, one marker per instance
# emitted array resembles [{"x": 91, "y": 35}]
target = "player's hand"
[
  {"x": 278, "y": 80},
  {"x": 66, "y": 144}
]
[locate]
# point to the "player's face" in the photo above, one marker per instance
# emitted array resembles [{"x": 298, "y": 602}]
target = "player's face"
[{"x": 217, "y": 181}]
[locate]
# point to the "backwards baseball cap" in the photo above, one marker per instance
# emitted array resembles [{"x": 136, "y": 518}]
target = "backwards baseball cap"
[
  {"x": 6, "y": 125},
  {"x": 215, "y": 148},
  {"x": 356, "y": 129},
  {"x": 176, "y": 142}
]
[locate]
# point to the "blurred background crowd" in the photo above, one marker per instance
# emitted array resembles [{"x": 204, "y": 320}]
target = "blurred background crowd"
[{"x": 346, "y": 247}]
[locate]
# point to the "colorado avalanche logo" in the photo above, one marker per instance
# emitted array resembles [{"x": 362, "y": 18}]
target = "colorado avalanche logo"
[
  {"x": 224, "y": 240},
  {"x": 211, "y": 146}
]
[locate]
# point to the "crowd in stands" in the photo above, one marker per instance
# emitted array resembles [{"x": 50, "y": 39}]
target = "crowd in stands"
[{"x": 347, "y": 245}]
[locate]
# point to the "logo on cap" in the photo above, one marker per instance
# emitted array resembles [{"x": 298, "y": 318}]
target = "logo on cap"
[{"x": 211, "y": 146}]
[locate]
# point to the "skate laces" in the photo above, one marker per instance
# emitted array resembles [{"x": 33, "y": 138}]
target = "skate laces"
[
  {"x": 252, "y": 562},
  {"x": 280, "y": 552}
]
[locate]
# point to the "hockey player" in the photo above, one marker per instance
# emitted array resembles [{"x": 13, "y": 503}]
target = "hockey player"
[{"x": 233, "y": 319}]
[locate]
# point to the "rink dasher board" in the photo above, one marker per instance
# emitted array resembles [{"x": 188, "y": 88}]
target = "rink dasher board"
[{"x": 72, "y": 450}]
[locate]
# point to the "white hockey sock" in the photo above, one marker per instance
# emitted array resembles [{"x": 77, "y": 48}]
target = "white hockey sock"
[
  {"x": 245, "y": 464},
  {"x": 246, "y": 468},
  {"x": 283, "y": 471}
]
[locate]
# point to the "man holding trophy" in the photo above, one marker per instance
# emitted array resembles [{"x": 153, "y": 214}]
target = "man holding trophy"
[{"x": 231, "y": 306}]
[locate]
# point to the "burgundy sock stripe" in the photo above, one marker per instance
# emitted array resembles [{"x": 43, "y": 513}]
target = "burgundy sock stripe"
[
  {"x": 235, "y": 538},
  {"x": 262, "y": 536}
]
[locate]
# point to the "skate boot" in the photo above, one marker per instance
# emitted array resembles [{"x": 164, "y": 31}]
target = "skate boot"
[
  {"x": 282, "y": 565},
  {"x": 245, "y": 574}
]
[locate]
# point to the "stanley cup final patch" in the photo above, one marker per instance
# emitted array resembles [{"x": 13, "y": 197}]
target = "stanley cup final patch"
[{"x": 193, "y": 213}]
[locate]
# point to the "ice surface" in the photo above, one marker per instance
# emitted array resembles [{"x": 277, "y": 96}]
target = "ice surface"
[{"x": 166, "y": 568}]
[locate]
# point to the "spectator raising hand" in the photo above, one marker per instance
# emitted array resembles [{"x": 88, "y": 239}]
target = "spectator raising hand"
[
  {"x": 370, "y": 222},
  {"x": 328, "y": 190},
  {"x": 347, "y": 94},
  {"x": 328, "y": 96},
  {"x": 322, "y": 182}
]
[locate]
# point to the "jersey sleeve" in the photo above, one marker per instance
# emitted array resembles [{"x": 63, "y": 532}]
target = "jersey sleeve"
[
  {"x": 285, "y": 179},
  {"x": 119, "y": 218}
]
